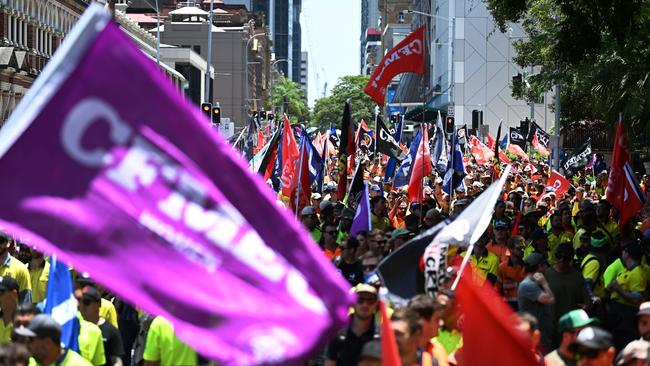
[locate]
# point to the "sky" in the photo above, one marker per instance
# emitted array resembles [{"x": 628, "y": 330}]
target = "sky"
[{"x": 330, "y": 33}]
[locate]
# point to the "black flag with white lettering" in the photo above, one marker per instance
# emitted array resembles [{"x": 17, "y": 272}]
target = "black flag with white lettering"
[
  {"x": 386, "y": 143},
  {"x": 578, "y": 159},
  {"x": 542, "y": 136},
  {"x": 517, "y": 138}
]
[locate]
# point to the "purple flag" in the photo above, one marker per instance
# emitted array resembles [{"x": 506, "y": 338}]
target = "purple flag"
[
  {"x": 361, "y": 221},
  {"x": 110, "y": 169}
]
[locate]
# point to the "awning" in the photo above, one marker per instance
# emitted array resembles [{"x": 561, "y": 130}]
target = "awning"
[{"x": 430, "y": 114}]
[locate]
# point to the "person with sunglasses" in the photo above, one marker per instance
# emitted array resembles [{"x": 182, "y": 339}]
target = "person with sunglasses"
[
  {"x": 89, "y": 303},
  {"x": 593, "y": 347},
  {"x": 345, "y": 349}
]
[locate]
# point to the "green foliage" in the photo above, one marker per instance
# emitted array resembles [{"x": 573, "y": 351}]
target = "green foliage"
[
  {"x": 288, "y": 96},
  {"x": 599, "y": 49},
  {"x": 330, "y": 109}
]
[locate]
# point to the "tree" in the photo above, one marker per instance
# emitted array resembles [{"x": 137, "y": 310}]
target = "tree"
[
  {"x": 329, "y": 110},
  {"x": 599, "y": 51},
  {"x": 290, "y": 99}
]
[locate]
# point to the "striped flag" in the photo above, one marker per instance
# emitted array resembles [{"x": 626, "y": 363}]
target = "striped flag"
[{"x": 61, "y": 303}]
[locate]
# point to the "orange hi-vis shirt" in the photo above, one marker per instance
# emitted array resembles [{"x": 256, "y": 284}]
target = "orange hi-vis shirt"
[
  {"x": 509, "y": 279},
  {"x": 501, "y": 251},
  {"x": 331, "y": 255}
]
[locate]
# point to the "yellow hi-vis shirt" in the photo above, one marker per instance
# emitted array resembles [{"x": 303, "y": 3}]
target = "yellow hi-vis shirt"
[
  {"x": 107, "y": 311},
  {"x": 163, "y": 346},
  {"x": 39, "y": 278},
  {"x": 91, "y": 342},
  {"x": 71, "y": 358},
  {"x": 17, "y": 270},
  {"x": 633, "y": 280}
]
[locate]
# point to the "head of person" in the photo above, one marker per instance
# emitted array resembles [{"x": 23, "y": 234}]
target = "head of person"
[
  {"x": 569, "y": 325},
  {"x": 517, "y": 245},
  {"x": 632, "y": 254},
  {"x": 540, "y": 240},
  {"x": 500, "y": 208},
  {"x": 528, "y": 327},
  {"x": 366, "y": 304},
  {"x": 89, "y": 303},
  {"x": 535, "y": 263},
  {"x": 23, "y": 314},
  {"x": 375, "y": 190},
  {"x": 593, "y": 347},
  {"x": 530, "y": 204},
  {"x": 598, "y": 242},
  {"x": 556, "y": 221},
  {"x": 643, "y": 320},
  {"x": 316, "y": 199},
  {"x": 603, "y": 209},
  {"x": 580, "y": 193},
  {"x": 8, "y": 294},
  {"x": 369, "y": 263},
  {"x": 408, "y": 331},
  {"x": 401, "y": 209},
  {"x": 338, "y": 210},
  {"x": 44, "y": 334},
  {"x": 14, "y": 354},
  {"x": 563, "y": 205},
  {"x": 412, "y": 223},
  {"x": 501, "y": 231},
  {"x": 370, "y": 354},
  {"x": 398, "y": 237},
  {"x": 432, "y": 217},
  {"x": 376, "y": 241},
  {"x": 430, "y": 312},
  {"x": 510, "y": 208},
  {"x": 349, "y": 247},
  {"x": 634, "y": 354},
  {"x": 378, "y": 205},
  {"x": 567, "y": 218},
  {"x": 330, "y": 233},
  {"x": 347, "y": 215},
  {"x": 308, "y": 217},
  {"x": 5, "y": 243},
  {"x": 564, "y": 257}
]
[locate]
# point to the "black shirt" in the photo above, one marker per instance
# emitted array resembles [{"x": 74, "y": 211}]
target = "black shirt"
[
  {"x": 113, "y": 346},
  {"x": 345, "y": 349},
  {"x": 351, "y": 272}
]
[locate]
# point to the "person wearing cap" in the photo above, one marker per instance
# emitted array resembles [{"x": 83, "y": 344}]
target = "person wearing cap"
[
  {"x": 398, "y": 237},
  {"x": 593, "y": 265},
  {"x": 643, "y": 320},
  {"x": 634, "y": 354},
  {"x": 163, "y": 348},
  {"x": 89, "y": 304},
  {"x": 345, "y": 224},
  {"x": 499, "y": 243},
  {"x": 538, "y": 243},
  {"x": 575, "y": 202},
  {"x": 485, "y": 263},
  {"x": 44, "y": 335},
  {"x": 512, "y": 271},
  {"x": 348, "y": 263},
  {"x": 556, "y": 236},
  {"x": 107, "y": 309},
  {"x": 309, "y": 219},
  {"x": 534, "y": 296},
  {"x": 370, "y": 354},
  {"x": 431, "y": 218},
  {"x": 346, "y": 348},
  {"x": 375, "y": 190},
  {"x": 316, "y": 199},
  {"x": 605, "y": 223},
  {"x": 8, "y": 303},
  {"x": 430, "y": 312},
  {"x": 12, "y": 267},
  {"x": 329, "y": 241},
  {"x": 593, "y": 347},
  {"x": 627, "y": 291},
  {"x": 39, "y": 272},
  {"x": 569, "y": 325}
]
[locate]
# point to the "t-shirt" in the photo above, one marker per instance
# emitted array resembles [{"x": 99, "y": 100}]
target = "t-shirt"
[
  {"x": 353, "y": 272},
  {"x": 487, "y": 264},
  {"x": 527, "y": 295},
  {"x": 91, "y": 343},
  {"x": 39, "y": 277},
  {"x": 107, "y": 311},
  {"x": 555, "y": 359},
  {"x": 509, "y": 278},
  {"x": 162, "y": 345},
  {"x": 5, "y": 331},
  {"x": 17, "y": 270},
  {"x": 568, "y": 289},
  {"x": 113, "y": 346},
  {"x": 633, "y": 280},
  {"x": 70, "y": 358},
  {"x": 379, "y": 222},
  {"x": 591, "y": 270},
  {"x": 452, "y": 340},
  {"x": 554, "y": 241},
  {"x": 612, "y": 271},
  {"x": 316, "y": 234},
  {"x": 346, "y": 348}
]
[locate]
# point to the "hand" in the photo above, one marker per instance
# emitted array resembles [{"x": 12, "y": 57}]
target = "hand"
[
  {"x": 613, "y": 286},
  {"x": 539, "y": 278},
  {"x": 595, "y": 300}
]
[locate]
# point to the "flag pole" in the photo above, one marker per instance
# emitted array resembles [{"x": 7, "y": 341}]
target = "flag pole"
[
  {"x": 468, "y": 254},
  {"x": 302, "y": 156}
]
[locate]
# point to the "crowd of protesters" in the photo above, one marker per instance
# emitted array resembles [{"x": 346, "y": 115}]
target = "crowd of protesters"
[{"x": 577, "y": 282}]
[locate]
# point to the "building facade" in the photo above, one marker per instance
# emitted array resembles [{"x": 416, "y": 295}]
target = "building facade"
[
  {"x": 369, "y": 31},
  {"x": 304, "y": 71}
]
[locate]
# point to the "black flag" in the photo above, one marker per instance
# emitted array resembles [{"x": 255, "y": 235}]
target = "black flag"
[
  {"x": 386, "y": 143},
  {"x": 542, "y": 137},
  {"x": 356, "y": 188},
  {"x": 578, "y": 159},
  {"x": 517, "y": 138}
]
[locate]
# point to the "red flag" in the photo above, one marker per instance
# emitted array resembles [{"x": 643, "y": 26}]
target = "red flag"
[
  {"x": 290, "y": 153},
  {"x": 481, "y": 153},
  {"x": 407, "y": 56},
  {"x": 389, "y": 353},
  {"x": 539, "y": 147},
  {"x": 623, "y": 191},
  {"x": 491, "y": 141},
  {"x": 515, "y": 229},
  {"x": 421, "y": 168},
  {"x": 488, "y": 321},
  {"x": 515, "y": 149},
  {"x": 260, "y": 141},
  {"x": 559, "y": 182},
  {"x": 300, "y": 185}
]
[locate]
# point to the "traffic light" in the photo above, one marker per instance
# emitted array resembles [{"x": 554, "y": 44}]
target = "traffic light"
[
  {"x": 207, "y": 109},
  {"x": 449, "y": 125},
  {"x": 216, "y": 115},
  {"x": 270, "y": 116},
  {"x": 394, "y": 118},
  {"x": 262, "y": 115}
]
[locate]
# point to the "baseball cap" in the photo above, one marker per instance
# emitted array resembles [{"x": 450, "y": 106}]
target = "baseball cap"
[
  {"x": 534, "y": 259},
  {"x": 580, "y": 189},
  {"x": 42, "y": 326},
  {"x": 637, "y": 349},
  {"x": 323, "y": 204},
  {"x": 308, "y": 210},
  {"x": 575, "y": 319},
  {"x": 594, "y": 338},
  {"x": 500, "y": 224},
  {"x": 519, "y": 190},
  {"x": 375, "y": 188},
  {"x": 7, "y": 283},
  {"x": 316, "y": 196},
  {"x": 362, "y": 287},
  {"x": 371, "y": 349},
  {"x": 644, "y": 309},
  {"x": 347, "y": 213},
  {"x": 91, "y": 293},
  {"x": 399, "y": 232}
]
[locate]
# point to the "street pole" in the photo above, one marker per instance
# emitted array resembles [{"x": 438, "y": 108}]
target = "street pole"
[
  {"x": 246, "y": 86},
  {"x": 157, "y": 33},
  {"x": 556, "y": 132},
  {"x": 209, "y": 57},
  {"x": 532, "y": 102}
]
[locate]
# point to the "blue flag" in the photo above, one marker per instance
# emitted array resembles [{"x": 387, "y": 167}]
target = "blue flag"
[
  {"x": 315, "y": 163},
  {"x": 61, "y": 303},
  {"x": 404, "y": 172},
  {"x": 392, "y": 162},
  {"x": 320, "y": 177},
  {"x": 455, "y": 174},
  {"x": 361, "y": 221}
]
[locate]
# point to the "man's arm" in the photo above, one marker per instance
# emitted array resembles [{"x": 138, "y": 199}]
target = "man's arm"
[{"x": 545, "y": 297}]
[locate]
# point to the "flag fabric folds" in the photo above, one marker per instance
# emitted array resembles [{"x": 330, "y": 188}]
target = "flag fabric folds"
[
  {"x": 403, "y": 175},
  {"x": 392, "y": 162},
  {"x": 540, "y": 140},
  {"x": 406, "y": 56},
  {"x": 421, "y": 168},
  {"x": 386, "y": 143},
  {"x": 356, "y": 187},
  {"x": 455, "y": 168},
  {"x": 300, "y": 187},
  {"x": 481, "y": 153},
  {"x": 130, "y": 172},
  {"x": 517, "y": 138},
  {"x": 559, "y": 183},
  {"x": 361, "y": 221},
  {"x": 439, "y": 152},
  {"x": 578, "y": 158},
  {"x": 347, "y": 148},
  {"x": 623, "y": 191},
  {"x": 290, "y": 155},
  {"x": 62, "y": 304}
]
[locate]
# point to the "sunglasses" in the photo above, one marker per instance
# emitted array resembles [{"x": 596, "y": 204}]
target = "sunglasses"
[
  {"x": 367, "y": 299},
  {"x": 369, "y": 267},
  {"x": 331, "y": 232}
]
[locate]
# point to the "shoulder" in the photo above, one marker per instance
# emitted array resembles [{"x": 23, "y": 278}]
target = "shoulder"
[
  {"x": 18, "y": 265},
  {"x": 89, "y": 328},
  {"x": 72, "y": 358}
]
